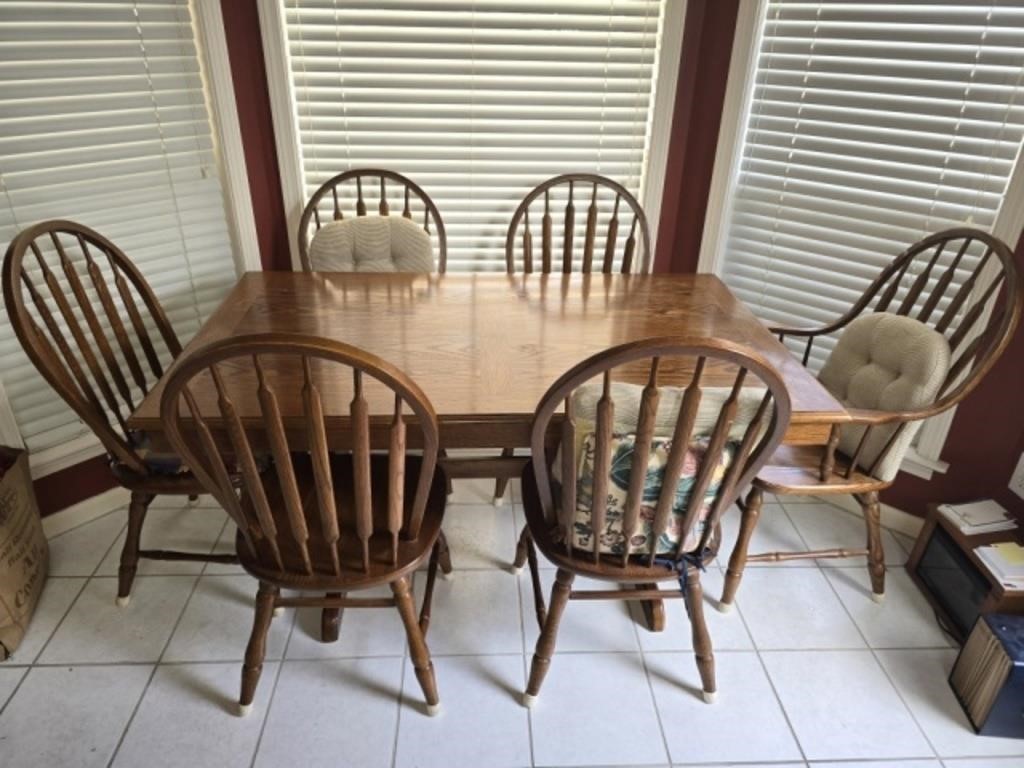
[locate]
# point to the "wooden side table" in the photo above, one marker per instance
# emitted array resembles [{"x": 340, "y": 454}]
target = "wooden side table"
[{"x": 954, "y": 580}]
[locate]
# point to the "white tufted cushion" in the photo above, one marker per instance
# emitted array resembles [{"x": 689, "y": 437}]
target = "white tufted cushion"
[
  {"x": 372, "y": 244},
  {"x": 885, "y": 362}
]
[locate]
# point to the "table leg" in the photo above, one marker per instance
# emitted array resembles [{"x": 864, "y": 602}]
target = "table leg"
[
  {"x": 330, "y": 621},
  {"x": 654, "y": 610}
]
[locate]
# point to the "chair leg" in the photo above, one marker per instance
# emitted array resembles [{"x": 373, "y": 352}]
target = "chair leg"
[
  {"x": 443, "y": 453},
  {"x": 876, "y": 552},
  {"x": 444, "y": 557},
  {"x": 751, "y": 509},
  {"x": 546, "y": 642},
  {"x": 130, "y": 552},
  {"x": 701, "y": 639},
  {"x": 502, "y": 482},
  {"x": 330, "y": 621},
  {"x": 521, "y": 550},
  {"x": 417, "y": 644},
  {"x": 257, "y": 648},
  {"x": 428, "y": 590}
]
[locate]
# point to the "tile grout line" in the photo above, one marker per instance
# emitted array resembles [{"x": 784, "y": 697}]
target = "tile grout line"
[
  {"x": 516, "y": 532},
  {"x": 401, "y": 679},
  {"x": 888, "y": 677},
  {"x": 152, "y": 673},
  {"x": 647, "y": 673},
  {"x": 273, "y": 690},
  {"x": 771, "y": 683},
  {"x": 14, "y": 692},
  {"x": 85, "y": 583}
]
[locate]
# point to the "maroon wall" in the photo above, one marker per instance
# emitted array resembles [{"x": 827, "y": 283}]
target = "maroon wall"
[
  {"x": 245, "y": 49},
  {"x": 74, "y": 484},
  {"x": 700, "y": 93}
]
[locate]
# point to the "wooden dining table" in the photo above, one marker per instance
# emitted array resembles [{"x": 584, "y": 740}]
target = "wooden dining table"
[{"x": 484, "y": 347}]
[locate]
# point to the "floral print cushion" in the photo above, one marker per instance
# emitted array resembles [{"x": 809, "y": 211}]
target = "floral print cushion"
[{"x": 622, "y": 446}]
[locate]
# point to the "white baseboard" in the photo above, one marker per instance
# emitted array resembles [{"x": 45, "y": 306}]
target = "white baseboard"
[
  {"x": 892, "y": 518},
  {"x": 85, "y": 511}
]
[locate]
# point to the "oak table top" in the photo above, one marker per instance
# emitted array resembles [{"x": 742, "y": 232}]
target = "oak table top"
[{"x": 485, "y": 347}]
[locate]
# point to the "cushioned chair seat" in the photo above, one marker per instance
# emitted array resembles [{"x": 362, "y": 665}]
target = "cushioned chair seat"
[
  {"x": 885, "y": 362},
  {"x": 372, "y": 244}
]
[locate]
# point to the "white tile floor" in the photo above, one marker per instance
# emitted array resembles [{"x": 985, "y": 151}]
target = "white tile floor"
[{"x": 810, "y": 671}]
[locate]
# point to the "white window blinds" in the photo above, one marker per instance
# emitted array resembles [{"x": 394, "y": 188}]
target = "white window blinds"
[
  {"x": 477, "y": 101},
  {"x": 103, "y": 121},
  {"x": 871, "y": 124}
]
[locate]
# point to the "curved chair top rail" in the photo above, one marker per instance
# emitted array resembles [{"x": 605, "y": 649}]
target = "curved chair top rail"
[
  {"x": 236, "y": 367},
  {"x": 312, "y": 215},
  {"x": 689, "y": 359},
  {"x": 73, "y": 298},
  {"x": 975, "y": 302},
  {"x": 600, "y": 198}
]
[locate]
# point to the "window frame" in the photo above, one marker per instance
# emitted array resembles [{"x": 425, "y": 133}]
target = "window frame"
[
  {"x": 923, "y": 459},
  {"x": 211, "y": 45},
  {"x": 273, "y": 31}
]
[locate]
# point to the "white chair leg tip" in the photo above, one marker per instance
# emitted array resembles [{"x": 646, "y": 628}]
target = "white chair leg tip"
[
  {"x": 709, "y": 696},
  {"x": 244, "y": 709},
  {"x": 450, "y": 576},
  {"x": 878, "y": 597},
  {"x": 278, "y": 612},
  {"x": 433, "y": 710},
  {"x": 724, "y": 607},
  {"x": 123, "y": 601},
  {"x": 529, "y": 700},
  {"x": 514, "y": 570},
  {"x": 498, "y": 501}
]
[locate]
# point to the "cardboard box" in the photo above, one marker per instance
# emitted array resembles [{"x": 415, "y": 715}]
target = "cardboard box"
[{"x": 24, "y": 553}]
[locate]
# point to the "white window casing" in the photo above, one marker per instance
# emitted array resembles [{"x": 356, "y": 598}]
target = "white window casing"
[
  {"x": 104, "y": 120},
  {"x": 851, "y": 130},
  {"x": 475, "y": 101}
]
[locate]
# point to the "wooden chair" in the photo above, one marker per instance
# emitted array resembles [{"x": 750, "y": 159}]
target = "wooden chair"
[
  {"x": 317, "y": 521},
  {"x": 673, "y": 526},
  {"x": 960, "y": 283},
  {"x": 616, "y": 252},
  {"x": 94, "y": 329},
  {"x": 604, "y": 200},
  {"x": 370, "y": 188}
]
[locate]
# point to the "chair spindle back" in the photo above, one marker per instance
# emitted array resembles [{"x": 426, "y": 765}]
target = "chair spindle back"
[
  {"x": 364, "y": 188},
  {"x": 239, "y": 371},
  {"x": 601, "y": 202},
  {"x": 753, "y": 445},
  {"x": 91, "y": 325}
]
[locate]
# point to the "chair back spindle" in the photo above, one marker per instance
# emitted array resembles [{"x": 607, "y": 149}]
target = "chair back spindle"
[
  {"x": 606, "y": 198},
  {"x": 293, "y": 533},
  {"x": 86, "y": 318},
  {"x": 730, "y": 432}
]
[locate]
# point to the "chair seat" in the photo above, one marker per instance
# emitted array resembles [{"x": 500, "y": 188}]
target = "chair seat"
[
  {"x": 796, "y": 469},
  {"x": 411, "y": 552},
  {"x": 181, "y": 483},
  {"x": 608, "y": 567}
]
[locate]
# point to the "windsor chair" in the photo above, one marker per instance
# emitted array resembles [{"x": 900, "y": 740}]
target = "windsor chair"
[
  {"x": 605, "y": 201},
  {"x": 330, "y": 240},
  {"x": 317, "y": 521},
  {"x": 637, "y": 501},
  {"x": 957, "y": 293},
  {"x": 95, "y": 331}
]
